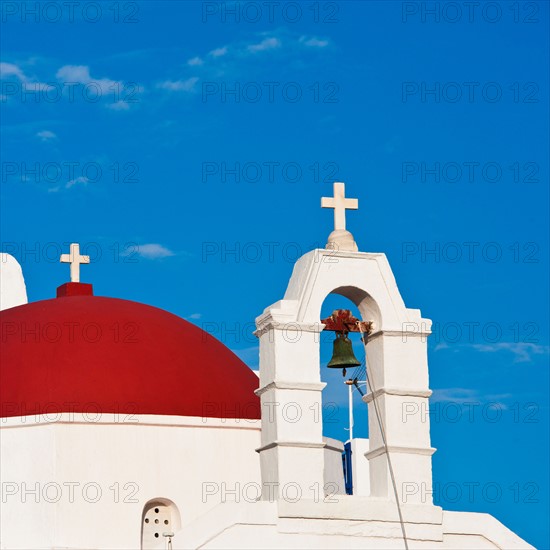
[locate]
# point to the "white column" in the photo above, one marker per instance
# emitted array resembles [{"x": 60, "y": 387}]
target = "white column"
[
  {"x": 291, "y": 451},
  {"x": 398, "y": 399}
]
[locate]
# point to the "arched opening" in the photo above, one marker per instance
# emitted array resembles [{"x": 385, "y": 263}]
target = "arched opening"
[
  {"x": 345, "y": 415},
  {"x": 159, "y": 521},
  {"x": 335, "y": 394}
]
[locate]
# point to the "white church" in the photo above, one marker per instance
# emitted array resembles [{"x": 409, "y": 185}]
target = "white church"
[{"x": 111, "y": 439}]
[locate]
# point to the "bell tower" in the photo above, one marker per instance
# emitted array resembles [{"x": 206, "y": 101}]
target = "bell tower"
[{"x": 291, "y": 451}]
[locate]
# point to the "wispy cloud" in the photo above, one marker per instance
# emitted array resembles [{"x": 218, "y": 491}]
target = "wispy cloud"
[
  {"x": 37, "y": 86},
  {"x": 218, "y": 52},
  {"x": 271, "y": 43},
  {"x": 119, "y": 105},
  {"x": 467, "y": 395},
  {"x": 80, "y": 74},
  {"x": 453, "y": 394},
  {"x": 80, "y": 180},
  {"x": 523, "y": 351},
  {"x": 195, "y": 61},
  {"x": 154, "y": 251},
  {"x": 235, "y": 57},
  {"x": 10, "y": 69},
  {"x": 313, "y": 42},
  {"x": 441, "y": 345},
  {"x": 187, "y": 85},
  {"x": 46, "y": 135}
]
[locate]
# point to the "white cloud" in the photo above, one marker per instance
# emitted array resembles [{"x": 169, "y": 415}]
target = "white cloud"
[
  {"x": 46, "y": 135},
  {"x": 218, "y": 52},
  {"x": 37, "y": 86},
  {"x": 76, "y": 181},
  {"x": 154, "y": 251},
  {"x": 80, "y": 74},
  {"x": 9, "y": 69},
  {"x": 266, "y": 44},
  {"x": 179, "y": 85},
  {"x": 194, "y": 61},
  {"x": 453, "y": 394},
  {"x": 441, "y": 345},
  {"x": 469, "y": 395},
  {"x": 523, "y": 351},
  {"x": 313, "y": 42},
  {"x": 220, "y": 60},
  {"x": 119, "y": 105},
  {"x": 74, "y": 73}
]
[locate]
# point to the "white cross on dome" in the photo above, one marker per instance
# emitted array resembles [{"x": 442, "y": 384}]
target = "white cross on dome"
[{"x": 75, "y": 259}]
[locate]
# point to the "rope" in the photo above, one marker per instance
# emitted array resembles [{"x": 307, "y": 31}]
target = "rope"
[{"x": 383, "y": 433}]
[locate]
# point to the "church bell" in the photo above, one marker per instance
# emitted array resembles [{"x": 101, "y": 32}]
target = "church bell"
[{"x": 342, "y": 354}]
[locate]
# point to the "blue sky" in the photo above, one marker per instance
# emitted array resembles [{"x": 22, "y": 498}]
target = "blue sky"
[{"x": 123, "y": 129}]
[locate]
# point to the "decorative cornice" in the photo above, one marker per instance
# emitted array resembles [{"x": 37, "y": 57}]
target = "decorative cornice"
[
  {"x": 426, "y": 451},
  {"x": 334, "y": 447},
  {"x": 297, "y": 444},
  {"x": 284, "y": 385},
  {"x": 405, "y": 334},
  {"x": 120, "y": 419},
  {"x": 405, "y": 392},
  {"x": 288, "y": 326}
]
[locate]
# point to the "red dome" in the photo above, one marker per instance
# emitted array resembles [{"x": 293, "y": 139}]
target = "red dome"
[{"x": 91, "y": 354}]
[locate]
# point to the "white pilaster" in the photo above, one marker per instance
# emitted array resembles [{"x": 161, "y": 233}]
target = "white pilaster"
[{"x": 292, "y": 448}]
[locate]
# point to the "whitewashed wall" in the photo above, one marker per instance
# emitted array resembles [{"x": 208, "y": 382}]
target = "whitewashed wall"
[
  {"x": 12, "y": 284},
  {"x": 130, "y": 462}
]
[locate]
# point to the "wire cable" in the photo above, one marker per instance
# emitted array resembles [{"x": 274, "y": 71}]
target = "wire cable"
[{"x": 384, "y": 441}]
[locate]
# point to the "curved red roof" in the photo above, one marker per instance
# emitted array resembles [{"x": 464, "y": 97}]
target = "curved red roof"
[{"x": 105, "y": 355}]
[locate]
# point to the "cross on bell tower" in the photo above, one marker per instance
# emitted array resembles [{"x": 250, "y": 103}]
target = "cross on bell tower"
[
  {"x": 75, "y": 259},
  {"x": 340, "y": 238}
]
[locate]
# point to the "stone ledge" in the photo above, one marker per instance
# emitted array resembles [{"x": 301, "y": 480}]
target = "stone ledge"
[
  {"x": 370, "y": 529},
  {"x": 399, "y": 332},
  {"x": 284, "y": 385},
  {"x": 355, "y": 508},
  {"x": 426, "y": 451},
  {"x": 484, "y": 525},
  {"x": 290, "y": 325},
  {"x": 405, "y": 392},
  {"x": 301, "y": 444}
]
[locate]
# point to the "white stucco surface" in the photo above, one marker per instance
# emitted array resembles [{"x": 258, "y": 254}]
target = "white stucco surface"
[
  {"x": 12, "y": 284},
  {"x": 123, "y": 462}
]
